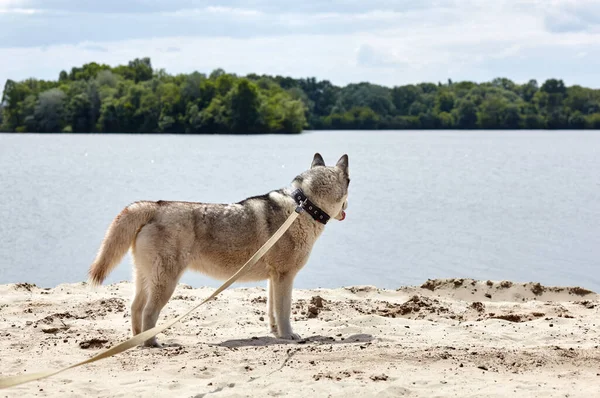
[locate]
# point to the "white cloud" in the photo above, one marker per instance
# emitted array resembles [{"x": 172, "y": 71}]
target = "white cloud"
[
  {"x": 384, "y": 42},
  {"x": 573, "y": 16},
  {"x": 227, "y": 12},
  {"x": 266, "y": 6},
  {"x": 26, "y": 11},
  {"x": 231, "y": 11},
  {"x": 4, "y": 4},
  {"x": 17, "y": 7},
  {"x": 93, "y": 47},
  {"x": 370, "y": 57}
]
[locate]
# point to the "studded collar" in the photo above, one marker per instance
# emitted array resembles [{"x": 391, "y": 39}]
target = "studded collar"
[{"x": 313, "y": 210}]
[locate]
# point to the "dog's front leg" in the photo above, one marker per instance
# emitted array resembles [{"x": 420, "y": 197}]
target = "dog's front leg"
[{"x": 282, "y": 300}]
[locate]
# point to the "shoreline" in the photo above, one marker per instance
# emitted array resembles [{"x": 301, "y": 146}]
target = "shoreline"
[
  {"x": 303, "y": 132},
  {"x": 445, "y": 337},
  {"x": 429, "y": 284}
]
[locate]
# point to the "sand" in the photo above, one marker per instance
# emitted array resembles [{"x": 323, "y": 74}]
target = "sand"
[{"x": 452, "y": 337}]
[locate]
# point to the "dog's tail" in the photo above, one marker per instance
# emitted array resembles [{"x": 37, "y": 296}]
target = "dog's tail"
[{"x": 119, "y": 237}]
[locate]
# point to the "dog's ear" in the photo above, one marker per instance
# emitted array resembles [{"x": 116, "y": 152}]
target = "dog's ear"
[
  {"x": 317, "y": 161},
  {"x": 343, "y": 163}
]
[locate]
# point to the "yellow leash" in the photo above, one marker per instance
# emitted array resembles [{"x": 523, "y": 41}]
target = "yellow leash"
[{"x": 12, "y": 381}]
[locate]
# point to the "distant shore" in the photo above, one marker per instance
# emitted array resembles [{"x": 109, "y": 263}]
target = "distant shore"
[
  {"x": 136, "y": 98},
  {"x": 446, "y": 337},
  {"x": 307, "y": 131}
]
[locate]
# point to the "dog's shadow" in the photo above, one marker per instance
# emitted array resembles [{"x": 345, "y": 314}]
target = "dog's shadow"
[{"x": 264, "y": 341}]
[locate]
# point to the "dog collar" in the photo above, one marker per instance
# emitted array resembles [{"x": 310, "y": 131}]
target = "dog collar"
[{"x": 315, "y": 212}]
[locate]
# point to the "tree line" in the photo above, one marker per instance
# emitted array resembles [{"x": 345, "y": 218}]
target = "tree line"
[{"x": 135, "y": 98}]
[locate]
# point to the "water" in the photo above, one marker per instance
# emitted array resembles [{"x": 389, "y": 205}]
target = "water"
[{"x": 516, "y": 205}]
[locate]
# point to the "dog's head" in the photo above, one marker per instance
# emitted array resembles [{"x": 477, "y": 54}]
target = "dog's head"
[{"x": 327, "y": 186}]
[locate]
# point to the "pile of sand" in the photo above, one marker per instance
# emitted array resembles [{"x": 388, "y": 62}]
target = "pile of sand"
[{"x": 451, "y": 337}]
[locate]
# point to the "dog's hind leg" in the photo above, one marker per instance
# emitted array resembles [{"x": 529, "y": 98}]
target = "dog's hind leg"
[
  {"x": 283, "y": 285},
  {"x": 139, "y": 301},
  {"x": 160, "y": 287},
  {"x": 270, "y": 305}
]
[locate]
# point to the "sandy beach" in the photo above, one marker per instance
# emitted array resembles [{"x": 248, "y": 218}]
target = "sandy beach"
[{"x": 452, "y": 337}]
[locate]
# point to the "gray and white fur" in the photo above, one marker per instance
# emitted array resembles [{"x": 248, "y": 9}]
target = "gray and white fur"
[{"x": 167, "y": 237}]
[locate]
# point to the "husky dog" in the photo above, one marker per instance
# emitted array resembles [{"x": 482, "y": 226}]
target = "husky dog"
[{"x": 167, "y": 237}]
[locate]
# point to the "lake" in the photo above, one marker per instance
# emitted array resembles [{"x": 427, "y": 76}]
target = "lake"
[{"x": 515, "y": 205}]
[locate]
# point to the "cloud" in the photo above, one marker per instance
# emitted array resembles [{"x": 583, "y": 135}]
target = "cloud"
[
  {"x": 13, "y": 7},
  {"x": 559, "y": 23},
  {"x": 6, "y": 4},
  {"x": 93, "y": 47},
  {"x": 54, "y": 27},
  {"x": 371, "y": 57},
  {"x": 385, "y": 42},
  {"x": 25, "y": 11},
  {"x": 573, "y": 16},
  {"x": 58, "y": 28},
  {"x": 264, "y": 6}
]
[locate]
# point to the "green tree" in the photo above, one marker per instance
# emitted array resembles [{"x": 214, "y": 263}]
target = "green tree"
[
  {"x": 593, "y": 121},
  {"x": 466, "y": 115},
  {"x": 554, "y": 86},
  {"x": 214, "y": 119},
  {"x": 28, "y": 109},
  {"x": 244, "y": 105},
  {"x": 138, "y": 70},
  {"x": 417, "y": 108},
  {"x": 224, "y": 83},
  {"x": 106, "y": 78},
  {"x": 365, "y": 118},
  {"x": 445, "y": 120},
  {"x": 79, "y": 114},
  {"x": 191, "y": 91},
  {"x": 322, "y": 96},
  {"x": 504, "y": 83},
  {"x": 293, "y": 116},
  {"x": 444, "y": 101},
  {"x": 172, "y": 108},
  {"x": 577, "y": 120},
  {"x": 557, "y": 119},
  {"x": 193, "y": 120},
  {"x": 50, "y": 110},
  {"x": 281, "y": 114},
  {"x": 511, "y": 119},
  {"x": 86, "y": 72},
  {"x": 528, "y": 90},
  {"x": 13, "y": 96},
  {"x": 428, "y": 120},
  {"x": 135, "y": 98},
  {"x": 375, "y": 97},
  {"x": 63, "y": 77},
  {"x": 142, "y": 69},
  {"x": 492, "y": 112},
  {"x": 109, "y": 116},
  {"x": 403, "y": 97}
]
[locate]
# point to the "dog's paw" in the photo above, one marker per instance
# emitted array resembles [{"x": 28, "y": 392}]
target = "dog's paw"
[
  {"x": 273, "y": 329},
  {"x": 153, "y": 343},
  {"x": 290, "y": 336}
]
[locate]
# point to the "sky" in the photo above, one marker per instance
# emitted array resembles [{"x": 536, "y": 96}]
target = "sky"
[{"x": 384, "y": 42}]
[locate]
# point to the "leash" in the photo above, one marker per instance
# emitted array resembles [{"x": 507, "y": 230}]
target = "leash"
[{"x": 12, "y": 381}]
